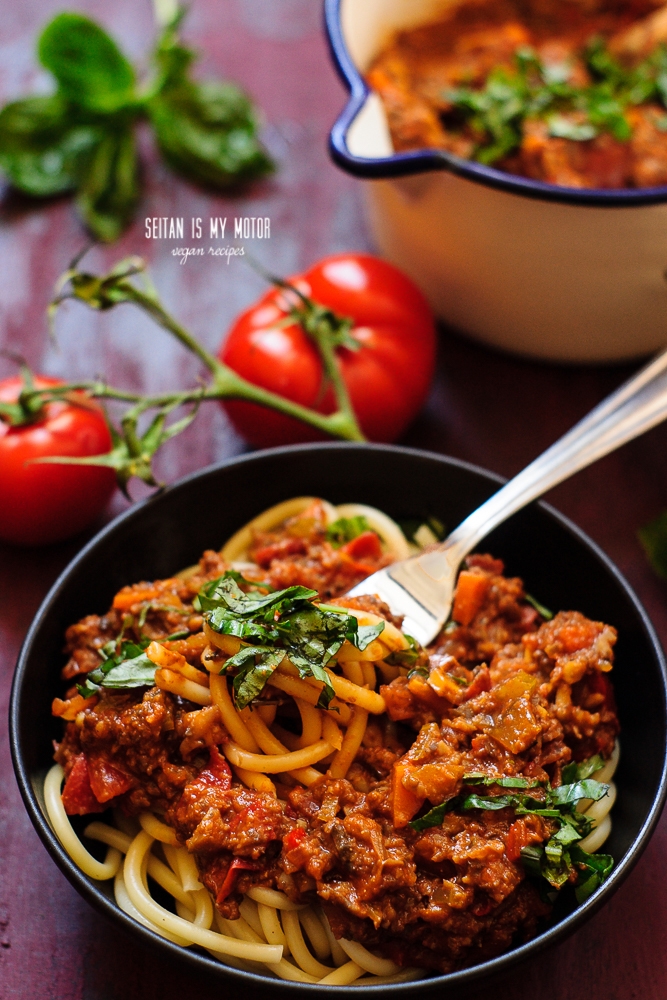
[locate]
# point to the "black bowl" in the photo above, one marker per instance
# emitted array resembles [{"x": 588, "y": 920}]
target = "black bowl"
[{"x": 156, "y": 538}]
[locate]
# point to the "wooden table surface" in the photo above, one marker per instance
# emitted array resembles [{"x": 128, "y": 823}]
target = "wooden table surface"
[{"x": 494, "y": 410}]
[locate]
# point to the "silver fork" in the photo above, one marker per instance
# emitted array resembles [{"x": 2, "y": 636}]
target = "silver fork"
[{"x": 421, "y": 588}]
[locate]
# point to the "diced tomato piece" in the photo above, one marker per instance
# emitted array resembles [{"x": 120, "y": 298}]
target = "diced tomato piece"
[
  {"x": 519, "y": 835},
  {"x": 77, "y": 797},
  {"x": 471, "y": 589},
  {"x": 294, "y": 838},
  {"x": 364, "y": 546},
  {"x": 233, "y": 872},
  {"x": 106, "y": 780},
  {"x": 217, "y": 773},
  {"x": 404, "y": 803}
]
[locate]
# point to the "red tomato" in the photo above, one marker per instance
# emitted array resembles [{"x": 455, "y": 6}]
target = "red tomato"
[
  {"x": 387, "y": 378},
  {"x": 46, "y": 503}
]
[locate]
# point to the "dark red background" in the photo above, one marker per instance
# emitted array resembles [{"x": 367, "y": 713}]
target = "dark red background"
[{"x": 493, "y": 410}]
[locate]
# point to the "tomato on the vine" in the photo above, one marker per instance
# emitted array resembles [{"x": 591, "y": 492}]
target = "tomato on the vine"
[
  {"x": 387, "y": 377},
  {"x": 42, "y": 503}
]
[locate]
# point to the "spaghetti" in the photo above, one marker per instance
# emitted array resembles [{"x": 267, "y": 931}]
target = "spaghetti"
[{"x": 292, "y": 772}]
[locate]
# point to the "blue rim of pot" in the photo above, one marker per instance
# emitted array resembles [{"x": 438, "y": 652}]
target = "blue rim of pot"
[{"x": 421, "y": 160}]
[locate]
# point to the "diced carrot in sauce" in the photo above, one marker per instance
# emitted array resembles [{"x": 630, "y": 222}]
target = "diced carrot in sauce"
[
  {"x": 77, "y": 796},
  {"x": 404, "y": 803},
  {"x": 126, "y": 598},
  {"x": 578, "y": 636},
  {"x": 471, "y": 589}
]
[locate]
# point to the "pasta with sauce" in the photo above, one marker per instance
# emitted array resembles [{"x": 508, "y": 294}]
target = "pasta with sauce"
[{"x": 301, "y": 778}]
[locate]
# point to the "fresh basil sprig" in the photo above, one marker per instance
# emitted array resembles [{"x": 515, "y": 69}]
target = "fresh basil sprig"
[
  {"x": 284, "y": 623},
  {"x": 82, "y": 138},
  {"x": 560, "y": 857},
  {"x": 496, "y": 112}
]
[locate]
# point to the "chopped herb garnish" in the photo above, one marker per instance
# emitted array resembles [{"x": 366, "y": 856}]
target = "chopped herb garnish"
[
  {"x": 406, "y": 657},
  {"x": 577, "y": 772},
  {"x": 496, "y": 112},
  {"x": 128, "y": 667},
  {"x": 559, "y": 858},
  {"x": 183, "y": 634},
  {"x": 346, "y": 528},
  {"x": 276, "y": 625},
  {"x": 540, "y": 608}
]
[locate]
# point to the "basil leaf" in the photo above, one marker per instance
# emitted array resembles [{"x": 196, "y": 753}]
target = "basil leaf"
[
  {"x": 532, "y": 859},
  {"x": 406, "y": 657},
  {"x": 208, "y": 133},
  {"x": 505, "y": 781},
  {"x": 286, "y": 620},
  {"x": 435, "y": 816},
  {"x": 566, "y": 835},
  {"x": 346, "y": 528},
  {"x": 254, "y": 664},
  {"x": 594, "y": 869},
  {"x": 88, "y": 689},
  {"x": 573, "y": 772},
  {"x": 366, "y": 634},
  {"x": 138, "y": 671},
  {"x": 540, "y": 608},
  {"x": 492, "y": 802},
  {"x": 42, "y": 145},
  {"x": 570, "y": 794},
  {"x": 183, "y": 634},
  {"x": 90, "y": 69},
  {"x": 109, "y": 185}
]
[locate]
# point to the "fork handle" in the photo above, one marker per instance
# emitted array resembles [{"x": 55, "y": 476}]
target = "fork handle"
[{"x": 637, "y": 406}]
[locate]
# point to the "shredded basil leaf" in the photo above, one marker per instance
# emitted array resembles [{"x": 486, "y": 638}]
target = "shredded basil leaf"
[
  {"x": 123, "y": 668},
  {"x": 496, "y": 112},
  {"x": 576, "y": 772},
  {"x": 279, "y": 624},
  {"x": 183, "y": 634},
  {"x": 406, "y": 657},
  {"x": 540, "y": 608},
  {"x": 559, "y": 860}
]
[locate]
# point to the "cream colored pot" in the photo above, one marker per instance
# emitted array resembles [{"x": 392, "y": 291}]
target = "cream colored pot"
[{"x": 544, "y": 271}]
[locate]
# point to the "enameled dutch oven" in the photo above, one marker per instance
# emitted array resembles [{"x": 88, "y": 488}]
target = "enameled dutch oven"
[
  {"x": 546, "y": 271},
  {"x": 159, "y": 536}
]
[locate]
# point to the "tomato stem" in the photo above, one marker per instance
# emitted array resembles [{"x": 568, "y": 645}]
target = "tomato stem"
[{"x": 133, "y": 451}]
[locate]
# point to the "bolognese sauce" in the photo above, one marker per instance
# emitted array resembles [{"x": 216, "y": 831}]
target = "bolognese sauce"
[
  {"x": 564, "y": 91},
  {"x": 441, "y": 793}
]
